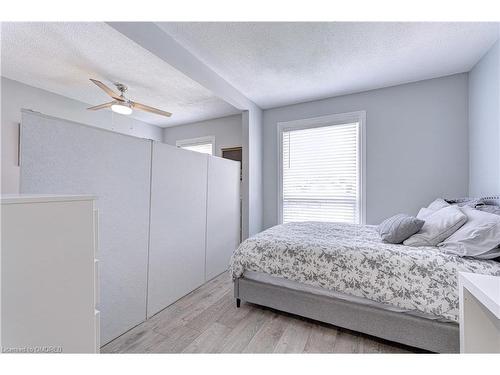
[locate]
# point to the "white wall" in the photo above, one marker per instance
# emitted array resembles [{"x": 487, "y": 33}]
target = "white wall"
[
  {"x": 226, "y": 130},
  {"x": 484, "y": 124},
  {"x": 252, "y": 190},
  {"x": 416, "y": 144},
  {"x": 16, "y": 95}
]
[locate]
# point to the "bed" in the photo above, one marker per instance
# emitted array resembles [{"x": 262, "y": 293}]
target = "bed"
[{"x": 343, "y": 274}]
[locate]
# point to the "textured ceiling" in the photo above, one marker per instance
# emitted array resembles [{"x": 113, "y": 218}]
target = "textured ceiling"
[
  {"x": 277, "y": 64},
  {"x": 61, "y": 57}
]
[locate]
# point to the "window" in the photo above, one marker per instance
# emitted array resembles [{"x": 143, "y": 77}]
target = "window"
[
  {"x": 321, "y": 169},
  {"x": 205, "y": 145}
]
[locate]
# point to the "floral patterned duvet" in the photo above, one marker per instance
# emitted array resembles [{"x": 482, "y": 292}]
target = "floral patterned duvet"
[{"x": 351, "y": 259}]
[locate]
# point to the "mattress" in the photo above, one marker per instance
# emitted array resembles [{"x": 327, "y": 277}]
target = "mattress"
[{"x": 350, "y": 261}]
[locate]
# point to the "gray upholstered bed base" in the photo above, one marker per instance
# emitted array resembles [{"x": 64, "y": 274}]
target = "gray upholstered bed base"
[{"x": 406, "y": 329}]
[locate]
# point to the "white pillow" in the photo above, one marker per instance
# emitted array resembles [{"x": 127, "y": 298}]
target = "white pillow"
[
  {"x": 478, "y": 238},
  {"x": 424, "y": 213},
  {"x": 438, "y": 226},
  {"x": 437, "y": 204}
]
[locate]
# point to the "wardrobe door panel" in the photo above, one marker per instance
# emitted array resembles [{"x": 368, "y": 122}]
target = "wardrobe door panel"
[
  {"x": 178, "y": 223},
  {"x": 64, "y": 157},
  {"x": 223, "y": 214}
]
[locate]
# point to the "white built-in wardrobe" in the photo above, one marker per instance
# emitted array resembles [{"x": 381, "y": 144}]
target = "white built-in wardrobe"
[{"x": 168, "y": 218}]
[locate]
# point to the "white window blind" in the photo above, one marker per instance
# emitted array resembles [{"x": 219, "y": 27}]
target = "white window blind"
[
  {"x": 204, "y": 148},
  {"x": 321, "y": 173}
]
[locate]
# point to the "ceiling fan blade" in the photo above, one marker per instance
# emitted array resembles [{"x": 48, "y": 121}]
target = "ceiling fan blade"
[
  {"x": 107, "y": 90},
  {"x": 101, "y": 106},
  {"x": 147, "y": 108}
]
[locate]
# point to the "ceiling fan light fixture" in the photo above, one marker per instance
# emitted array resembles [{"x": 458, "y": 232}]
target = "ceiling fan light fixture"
[
  {"x": 121, "y": 104},
  {"x": 121, "y": 108}
]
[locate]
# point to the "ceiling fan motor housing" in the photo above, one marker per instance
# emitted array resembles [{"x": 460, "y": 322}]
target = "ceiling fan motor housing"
[{"x": 121, "y": 87}]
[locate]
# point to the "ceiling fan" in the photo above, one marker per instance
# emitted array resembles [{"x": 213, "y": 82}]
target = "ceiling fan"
[{"x": 121, "y": 104}]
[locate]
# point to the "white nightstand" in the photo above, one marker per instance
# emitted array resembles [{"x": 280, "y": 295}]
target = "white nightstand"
[{"x": 479, "y": 313}]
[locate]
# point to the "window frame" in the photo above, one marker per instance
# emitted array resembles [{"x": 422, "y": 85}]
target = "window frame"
[
  {"x": 315, "y": 122},
  {"x": 197, "y": 141}
]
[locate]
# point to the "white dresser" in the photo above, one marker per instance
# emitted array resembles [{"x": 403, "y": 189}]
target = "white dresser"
[
  {"x": 479, "y": 313},
  {"x": 49, "y": 274}
]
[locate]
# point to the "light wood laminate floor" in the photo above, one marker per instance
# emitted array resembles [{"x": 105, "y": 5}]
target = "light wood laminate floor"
[{"x": 207, "y": 321}]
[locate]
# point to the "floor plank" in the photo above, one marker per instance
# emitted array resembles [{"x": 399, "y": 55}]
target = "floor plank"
[
  {"x": 267, "y": 337},
  {"x": 233, "y": 317},
  {"x": 347, "y": 342},
  {"x": 243, "y": 332},
  {"x": 207, "y": 317},
  {"x": 295, "y": 337},
  {"x": 207, "y": 321},
  {"x": 209, "y": 341},
  {"x": 176, "y": 340},
  {"x": 321, "y": 339}
]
